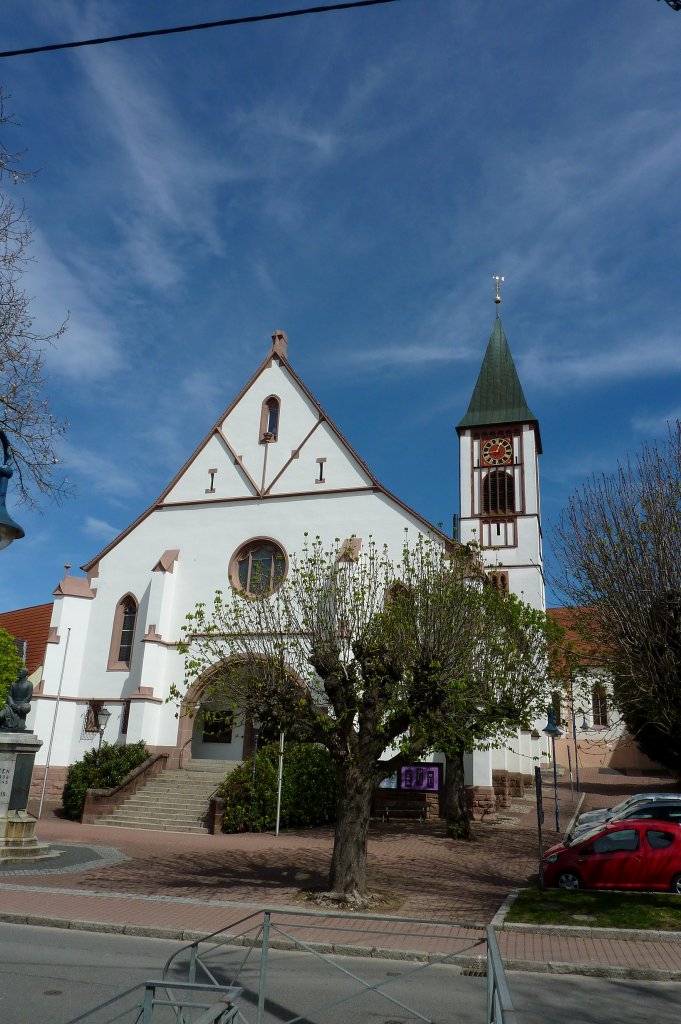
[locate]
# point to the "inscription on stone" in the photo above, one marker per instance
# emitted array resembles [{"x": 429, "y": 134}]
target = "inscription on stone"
[
  {"x": 6, "y": 779},
  {"x": 21, "y": 783}
]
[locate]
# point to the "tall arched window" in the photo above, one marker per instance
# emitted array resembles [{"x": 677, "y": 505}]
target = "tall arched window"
[
  {"x": 269, "y": 419},
  {"x": 599, "y": 706},
  {"x": 498, "y": 493},
  {"x": 123, "y": 634}
]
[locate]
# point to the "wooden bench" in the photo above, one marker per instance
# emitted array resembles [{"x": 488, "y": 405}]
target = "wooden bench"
[{"x": 414, "y": 808}]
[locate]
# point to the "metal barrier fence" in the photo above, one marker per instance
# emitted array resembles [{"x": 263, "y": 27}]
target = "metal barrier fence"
[
  {"x": 499, "y": 1004},
  {"x": 153, "y": 1001},
  {"x": 202, "y": 967}
]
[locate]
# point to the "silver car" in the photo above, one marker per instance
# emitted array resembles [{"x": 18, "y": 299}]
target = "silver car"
[
  {"x": 660, "y": 806},
  {"x": 606, "y": 813}
]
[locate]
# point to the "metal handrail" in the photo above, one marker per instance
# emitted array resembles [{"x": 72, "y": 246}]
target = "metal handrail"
[
  {"x": 219, "y": 1009},
  {"x": 499, "y": 1003}
]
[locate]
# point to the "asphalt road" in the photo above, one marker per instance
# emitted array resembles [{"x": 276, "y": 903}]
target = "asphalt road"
[{"x": 50, "y": 975}]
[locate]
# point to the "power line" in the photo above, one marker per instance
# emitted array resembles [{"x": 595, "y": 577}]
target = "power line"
[{"x": 225, "y": 23}]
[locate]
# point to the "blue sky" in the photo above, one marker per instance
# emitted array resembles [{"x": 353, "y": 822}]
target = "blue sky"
[{"x": 356, "y": 179}]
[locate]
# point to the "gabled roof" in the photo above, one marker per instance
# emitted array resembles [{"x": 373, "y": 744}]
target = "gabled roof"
[
  {"x": 277, "y": 354},
  {"x": 32, "y": 625},
  {"x": 498, "y": 395}
]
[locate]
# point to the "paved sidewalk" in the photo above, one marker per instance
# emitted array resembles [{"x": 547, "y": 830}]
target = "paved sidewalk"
[{"x": 181, "y": 885}]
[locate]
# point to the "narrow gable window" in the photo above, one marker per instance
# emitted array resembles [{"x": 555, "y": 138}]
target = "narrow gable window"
[
  {"x": 269, "y": 420},
  {"x": 123, "y": 634}
]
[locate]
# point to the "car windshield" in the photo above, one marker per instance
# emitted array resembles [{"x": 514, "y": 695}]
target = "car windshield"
[
  {"x": 625, "y": 803},
  {"x": 583, "y": 837}
]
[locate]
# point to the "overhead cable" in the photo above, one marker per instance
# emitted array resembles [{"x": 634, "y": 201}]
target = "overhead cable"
[{"x": 224, "y": 23}]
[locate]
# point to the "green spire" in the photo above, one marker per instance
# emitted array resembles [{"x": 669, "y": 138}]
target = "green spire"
[{"x": 498, "y": 396}]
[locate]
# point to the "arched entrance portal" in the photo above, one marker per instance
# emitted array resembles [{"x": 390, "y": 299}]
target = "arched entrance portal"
[{"x": 213, "y": 726}]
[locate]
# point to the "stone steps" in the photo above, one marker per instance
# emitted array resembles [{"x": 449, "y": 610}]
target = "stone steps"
[{"x": 175, "y": 800}]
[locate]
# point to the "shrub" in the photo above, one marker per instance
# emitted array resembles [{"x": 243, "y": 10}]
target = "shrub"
[
  {"x": 99, "y": 771},
  {"x": 10, "y": 663},
  {"x": 309, "y": 791}
]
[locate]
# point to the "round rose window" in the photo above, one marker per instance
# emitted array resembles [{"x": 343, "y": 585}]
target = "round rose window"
[{"x": 258, "y": 567}]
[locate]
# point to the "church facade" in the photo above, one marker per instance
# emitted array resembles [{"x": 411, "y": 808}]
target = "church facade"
[{"x": 272, "y": 467}]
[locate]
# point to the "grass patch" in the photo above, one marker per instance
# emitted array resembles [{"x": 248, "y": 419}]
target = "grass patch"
[{"x": 654, "y": 910}]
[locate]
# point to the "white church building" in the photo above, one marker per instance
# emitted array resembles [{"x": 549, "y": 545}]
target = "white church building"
[{"x": 272, "y": 466}]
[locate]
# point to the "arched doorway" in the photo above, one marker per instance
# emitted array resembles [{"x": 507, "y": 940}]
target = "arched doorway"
[{"x": 213, "y": 726}]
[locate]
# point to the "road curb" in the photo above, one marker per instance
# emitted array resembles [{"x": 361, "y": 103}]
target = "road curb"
[
  {"x": 591, "y": 970},
  {"x": 569, "y": 931},
  {"x": 576, "y": 931},
  {"x": 343, "y": 949}
]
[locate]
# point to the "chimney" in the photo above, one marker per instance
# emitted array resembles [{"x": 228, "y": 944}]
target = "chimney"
[{"x": 279, "y": 343}]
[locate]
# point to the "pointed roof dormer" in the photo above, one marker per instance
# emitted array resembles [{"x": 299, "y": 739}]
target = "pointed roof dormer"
[{"x": 498, "y": 395}]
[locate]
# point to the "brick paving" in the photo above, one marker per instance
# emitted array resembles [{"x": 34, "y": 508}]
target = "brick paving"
[{"x": 187, "y": 883}]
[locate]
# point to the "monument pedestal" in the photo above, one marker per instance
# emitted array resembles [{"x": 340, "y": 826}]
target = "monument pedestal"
[{"x": 18, "y": 843}]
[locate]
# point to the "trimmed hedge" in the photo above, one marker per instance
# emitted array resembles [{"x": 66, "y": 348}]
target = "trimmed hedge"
[
  {"x": 309, "y": 792},
  {"x": 103, "y": 771}
]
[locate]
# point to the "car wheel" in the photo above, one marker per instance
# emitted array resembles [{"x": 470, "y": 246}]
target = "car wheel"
[
  {"x": 676, "y": 884},
  {"x": 571, "y": 881}
]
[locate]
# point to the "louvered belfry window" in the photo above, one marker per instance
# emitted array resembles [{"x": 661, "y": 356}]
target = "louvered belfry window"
[{"x": 498, "y": 493}]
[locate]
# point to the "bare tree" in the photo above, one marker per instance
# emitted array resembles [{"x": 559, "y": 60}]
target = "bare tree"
[
  {"x": 25, "y": 413},
  {"x": 618, "y": 544}
]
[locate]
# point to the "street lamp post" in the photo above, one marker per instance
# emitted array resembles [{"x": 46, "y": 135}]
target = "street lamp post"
[
  {"x": 9, "y": 530},
  {"x": 257, "y": 726},
  {"x": 103, "y": 716},
  {"x": 555, "y": 732}
]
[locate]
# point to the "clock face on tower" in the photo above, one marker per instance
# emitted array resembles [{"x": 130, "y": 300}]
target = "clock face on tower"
[{"x": 497, "y": 451}]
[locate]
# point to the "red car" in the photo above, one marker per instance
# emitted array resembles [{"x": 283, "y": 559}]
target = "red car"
[{"x": 626, "y": 854}]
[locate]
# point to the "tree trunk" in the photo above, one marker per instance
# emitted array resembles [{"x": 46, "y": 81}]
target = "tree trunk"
[
  {"x": 349, "y": 860},
  {"x": 456, "y": 812}
]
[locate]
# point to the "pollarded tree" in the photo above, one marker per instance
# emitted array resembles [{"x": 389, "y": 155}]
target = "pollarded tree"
[
  {"x": 320, "y": 657},
  {"x": 479, "y": 663},
  {"x": 25, "y": 414},
  {"x": 364, "y": 656},
  {"x": 618, "y": 544}
]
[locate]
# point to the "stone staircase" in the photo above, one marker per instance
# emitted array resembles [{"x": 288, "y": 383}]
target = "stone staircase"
[{"x": 175, "y": 800}]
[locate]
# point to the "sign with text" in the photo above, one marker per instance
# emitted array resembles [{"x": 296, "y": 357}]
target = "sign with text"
[{"x": 424, "y": 778}]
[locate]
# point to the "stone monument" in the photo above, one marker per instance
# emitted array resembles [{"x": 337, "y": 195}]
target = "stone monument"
[{"x": 18, "y": 748}]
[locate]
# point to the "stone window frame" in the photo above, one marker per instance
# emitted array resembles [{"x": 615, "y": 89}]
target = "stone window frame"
[
  {"x": 271, "y": 404},
  {"x": 234, "y": 578},
  {"x": 114, "y": 663}
]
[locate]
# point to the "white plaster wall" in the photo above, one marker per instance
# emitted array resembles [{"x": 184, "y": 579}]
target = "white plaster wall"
[
  {"x": 297, "y": 416},
  {"x": 301, "y": 475},
  {"x": 229, "y": 481},
  {"x": 206, "y": 537}
]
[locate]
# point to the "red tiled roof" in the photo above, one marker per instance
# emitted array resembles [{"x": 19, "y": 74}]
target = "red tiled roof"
[
  {"x": 569, "y": 619},
  {"x": 33, "y": 626}
]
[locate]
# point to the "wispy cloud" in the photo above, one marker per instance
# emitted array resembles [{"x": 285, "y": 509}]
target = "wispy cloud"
[
  {"x": 90, "y": 347},
  {"x": 99, "y": 529},
  {"x": 656, "y": 423},
  {"x": 111, "y": 477},
  {"x": 640, "y": 357}
]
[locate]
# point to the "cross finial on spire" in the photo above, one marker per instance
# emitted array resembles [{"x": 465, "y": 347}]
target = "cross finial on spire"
[{"x": 497, "y": 289}]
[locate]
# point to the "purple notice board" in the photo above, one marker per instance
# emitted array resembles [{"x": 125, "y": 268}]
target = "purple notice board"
[{"x": 423, "y": 777}]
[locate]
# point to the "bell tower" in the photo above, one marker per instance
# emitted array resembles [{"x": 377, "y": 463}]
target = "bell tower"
[{"x": 499, "y": 449}]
